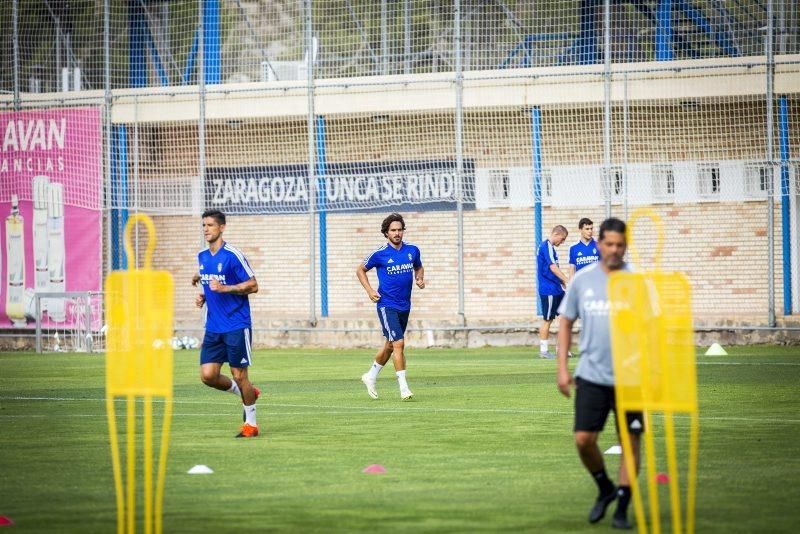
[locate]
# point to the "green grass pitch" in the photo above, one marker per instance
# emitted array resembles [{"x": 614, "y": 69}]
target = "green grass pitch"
[{"x": 485, "y": 445}]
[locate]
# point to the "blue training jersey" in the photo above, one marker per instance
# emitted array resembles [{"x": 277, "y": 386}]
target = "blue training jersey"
[
  {"x": 225, "y": 312},
  {"x": 548, "y": 283},
  {"x": 581, "y": 255},
  {"x": 395, "y": 274}
]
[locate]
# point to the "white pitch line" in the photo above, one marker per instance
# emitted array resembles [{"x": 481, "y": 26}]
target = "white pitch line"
[
  {"x": 756, "y": 364},
  {"x": 409, "y": 408}
]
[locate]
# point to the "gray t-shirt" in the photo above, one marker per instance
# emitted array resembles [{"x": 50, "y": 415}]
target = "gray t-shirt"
[{"x": 587, "y": 298}]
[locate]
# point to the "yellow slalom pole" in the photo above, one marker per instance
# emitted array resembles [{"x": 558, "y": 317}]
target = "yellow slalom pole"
[
  {"x": 630, "y": 465},
  {"x": 672, "y": 469},
  {"x": 655, "y": 368},
  {"x": 162, "y": 462},
  {"x": 691, "y": 494},
  {"x": 148, "y": 464},
  {"x": 650, "y": 448},
  {"x": 131, "y": 460},
  {"x": 151, "y": 241},
  {"x": 652, "y": 488},
  {"x": 633, "y": 249},
  {"x": 139, "y": 310},
  {"x": 115, "y": 461}
]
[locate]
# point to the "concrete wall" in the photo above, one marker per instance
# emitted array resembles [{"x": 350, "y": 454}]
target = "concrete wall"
[{"x": 720, "y": 246}]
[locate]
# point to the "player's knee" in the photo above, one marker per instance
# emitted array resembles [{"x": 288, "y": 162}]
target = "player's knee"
[
  {"x": 208, "y": 379},
  {"x": 584, "y": 440}
]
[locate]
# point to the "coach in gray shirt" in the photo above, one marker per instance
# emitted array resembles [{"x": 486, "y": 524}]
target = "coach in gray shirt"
[{"x": 587, "y": 298}]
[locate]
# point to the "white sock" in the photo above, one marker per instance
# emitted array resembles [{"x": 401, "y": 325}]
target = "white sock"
[
  {"x": 250, "y": 415},
  {"x": 374, "y": 370},
  {"x": 235, "y": 389},
  {"x": 401, "y": 378},
  {"x": 542, "y": 345}
]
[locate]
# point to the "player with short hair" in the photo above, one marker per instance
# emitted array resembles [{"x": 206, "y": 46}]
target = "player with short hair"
[
  {"x": 587, "y": 298},
  {"x": 227, "y": 280},
  {"x": 551, "y": 282},
  {"x": 398, "y": 265},
  {"x": 584, "y": 252}
]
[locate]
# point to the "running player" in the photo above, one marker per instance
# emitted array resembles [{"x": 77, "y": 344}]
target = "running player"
[
  {"x": 227, "y": 279},
  {"x": 398, "y": 265}
]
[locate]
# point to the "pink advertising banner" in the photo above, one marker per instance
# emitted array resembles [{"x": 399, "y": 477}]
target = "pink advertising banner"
[{"x": 50, "y": 211}]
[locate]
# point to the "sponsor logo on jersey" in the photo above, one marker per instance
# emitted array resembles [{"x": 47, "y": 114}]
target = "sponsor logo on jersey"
[
  {"x": 399, "y": 268},
  {"x": 206, "y": 278}
]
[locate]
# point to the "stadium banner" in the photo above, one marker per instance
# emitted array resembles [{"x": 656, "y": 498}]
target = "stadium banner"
[
  {"x": 396, "y": 185},
  {"x": 51, "y": 182}
]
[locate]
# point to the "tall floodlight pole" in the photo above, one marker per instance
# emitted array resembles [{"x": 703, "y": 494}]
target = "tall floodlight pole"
[
  {"x": 607, "y": 110},
  {"x": 312, "y": 182},
  {"x": 459, "y": 159},
  {"x": 768, "y": 44}
]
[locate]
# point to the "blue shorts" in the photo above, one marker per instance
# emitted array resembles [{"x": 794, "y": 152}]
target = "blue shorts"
[
  {"x": 393, "y": 323},
  {"x": 550, "y": 304},
  {"x": 232, "y": 347}
]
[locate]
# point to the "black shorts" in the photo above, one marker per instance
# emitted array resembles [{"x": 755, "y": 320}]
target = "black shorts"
[{"x": 593, "y": 402}]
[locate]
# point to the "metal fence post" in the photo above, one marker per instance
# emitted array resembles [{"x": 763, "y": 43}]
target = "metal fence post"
[
  {"x": 384, "y": 38},
  {"x": 625, "y": 141},
  {"x": 768, "y": 44},
  {"x": 406, "y": 36},
  {"x": 201, "y": 121},
  {"x": 15, "y": 37},
  {"x": 607, "y": 105},
  {"x": 107, "y": 124},
  {"x": 38, "y": 325},
  {"x": 312, "y": 189},
  {"x": 459, "y": 159}
]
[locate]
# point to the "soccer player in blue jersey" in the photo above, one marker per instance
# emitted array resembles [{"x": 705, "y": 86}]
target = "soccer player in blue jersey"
[
  {"x": 585, "y": 251},
  {"x": 398, "y": 265},
  {"x": 227, "y": 279},
  {"x": 551, "y": 282}
]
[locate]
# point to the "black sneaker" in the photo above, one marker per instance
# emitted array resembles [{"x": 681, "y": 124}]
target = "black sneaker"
[
  {"x": 598, "y": 511},
  {"x": 621, "y": 522}
]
